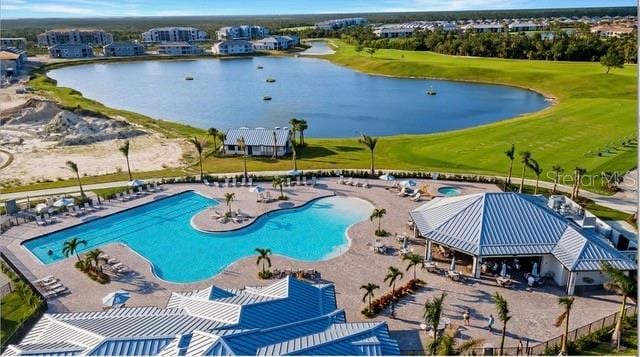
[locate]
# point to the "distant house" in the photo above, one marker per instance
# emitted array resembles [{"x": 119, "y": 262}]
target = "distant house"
[
  {"x": 17, "y": 42},
  {"x": 123, "y": 49},
  {"x": 525, "y": 26},
  {"x": 492, "y": 27},
  {"x": 243, "y": 32},
  {"x": 70, "y": 51},
  {"x": 340, "y": 23},
  {"x": 393, "y": 32},
  {"x": 11, "y": 63},
  {"x": 276, "y": 43},
  {"x": 232, "y": 47},
  {"x": 613, "y": 30},
  {"x": 173, "y": 34},
  {"x": 90, "y": 37},
  {"x": 179, "y": 49},
  {"x": 259, "y": 141}
]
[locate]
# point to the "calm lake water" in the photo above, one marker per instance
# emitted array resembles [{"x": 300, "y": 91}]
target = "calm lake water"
[{"x": 335, "y": 101}]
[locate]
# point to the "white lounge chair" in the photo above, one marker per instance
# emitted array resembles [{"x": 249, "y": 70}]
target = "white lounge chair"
[
  {"x": 46, "y": 279},
  {"x": 40, "y": 221},
  {"x": 298, "y": 180},
  {"x": 288, "y": 182},
  {"x": 304, "y": 180},
  {"x": 349, "y": 181},
  {"x": 268, "y": 197},
  {"x": 226, "y": 182},
  {"x": 233, "y": 182},
  {"x": 242, "y": 182},
  {"x": 366, "y": 185},
  {"x": 156, "y": 186},
  {"x": 314, "y": 181},
  {"x": 415, "y": 197},
  {"x": 48, "y": 218},
  {"x": 96, "y": 205},
  {"x": 403, "y": 192},
  {"x": 250, "y": 181},
  {"x": 206, "y": 182},
  {"x": 341, "y": 180},
  {"x": 87, "y": 207}
]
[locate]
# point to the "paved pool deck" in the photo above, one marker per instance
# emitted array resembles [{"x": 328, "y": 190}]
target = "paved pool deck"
[{"x": 533, "y": 311}]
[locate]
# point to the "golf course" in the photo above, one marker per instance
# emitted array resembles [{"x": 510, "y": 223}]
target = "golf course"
[{"x": 592, "y": 123}]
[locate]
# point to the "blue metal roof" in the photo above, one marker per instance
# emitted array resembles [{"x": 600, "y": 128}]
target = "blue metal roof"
[
  {"x": 504, "y": 224},
  {"x": 130, "y": 347},
  {"x": 257, "y": 136}
]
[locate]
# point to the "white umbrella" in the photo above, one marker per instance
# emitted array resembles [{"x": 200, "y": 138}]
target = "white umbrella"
[
  {"x": 293, "y": 172},
  {"x": 41, "y": 207},
  {"x": 135, "y": 183},
  {"x": 453, "y": 263},
  {"x": 408, "y": 183},
  {"x": 534, "y": 270},
  {"x": 256, "y": 189},
  {"x": 63, "y": 202},
  {"x": 115, "y": 298},
  {"x": 387, "y": 177},
  {"x": 503, "y": 271}
]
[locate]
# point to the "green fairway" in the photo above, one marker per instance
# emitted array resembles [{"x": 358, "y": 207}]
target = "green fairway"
[{"x": 594, "y": 114}]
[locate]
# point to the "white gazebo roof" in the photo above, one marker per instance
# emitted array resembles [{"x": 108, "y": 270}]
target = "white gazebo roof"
[{"x": 506, "y": 224}]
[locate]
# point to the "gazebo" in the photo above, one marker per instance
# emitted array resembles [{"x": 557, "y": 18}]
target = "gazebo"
[{"x": 511, "y": 225}]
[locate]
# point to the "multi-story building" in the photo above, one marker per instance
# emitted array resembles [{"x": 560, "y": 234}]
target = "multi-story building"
[
  {"x": 276, "y": 43},
  {"x": 613, "y": 30},
  {"x": 17, "y": 42},
  {"x": 340, "y": 23},
  {"x": 179, "y": 49},
  {"x": 90, "y": 37},
  {"x": 525, "y": 26},
  {"x": 482, "y": 27},
  {"x": 174, "y": 34},
  {"x": 243, "y": 32},
  {"x": 232, "y": 47},
  {"x": 123, "y": 49},
  {"x": 72, "y": 50},
  {"x": 12, "y": 61},
  {"x": 393, "y": 32}
]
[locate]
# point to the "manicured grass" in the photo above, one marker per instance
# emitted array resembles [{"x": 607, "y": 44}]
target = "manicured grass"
[
  {"x": 629, "y": 342},
  {"x": 594, "y": 114},
  {"x": 14, "y": 311}
]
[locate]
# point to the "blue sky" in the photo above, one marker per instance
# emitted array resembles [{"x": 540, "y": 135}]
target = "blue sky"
[{"x": 100, "y": 8}]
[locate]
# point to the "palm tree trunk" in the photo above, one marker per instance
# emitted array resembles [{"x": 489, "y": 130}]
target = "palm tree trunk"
[
  {"x": 77, "y": 256},
  {"x": 246, "y": 176},
  {"x": 128, "y": 167},
  {"x": 200, "y": 160},
  {"x": 281, "y": 191},
  {"x": 565, "y": 340},
  {"x": 504, "y": 333},
  {"x": 80, "y": 184},
  {"x": 379, "y": 223},
  {"x": 555, "y": 184},
  {"x": 510, "y": 171},
  {"x": 262, "y": 267},
  {"x": 369, "y": 302},
  {"x": 535, "y": 192},
  {"x": 302, "y": 137},
  {"x": 524, "y": 169},
  {"x": 617, "y": 331},
  {"x": 372, "y": 168}
]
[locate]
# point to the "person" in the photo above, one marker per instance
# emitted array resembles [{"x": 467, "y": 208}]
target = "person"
[
  {"x": 490, "y": 323},
  {"x": 466, "y": 316},
  {"x": 50, "y": 252}
]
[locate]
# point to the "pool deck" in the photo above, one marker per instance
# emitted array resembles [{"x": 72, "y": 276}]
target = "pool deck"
[{"x": 533, "y": 311}]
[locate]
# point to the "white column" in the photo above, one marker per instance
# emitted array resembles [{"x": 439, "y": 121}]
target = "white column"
[
  {"x": 571, "y": 284},
  {"x": 476, "y": 267}
]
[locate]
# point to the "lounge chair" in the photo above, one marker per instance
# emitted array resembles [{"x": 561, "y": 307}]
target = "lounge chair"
[
  {"x": 237, "y": 219},
  {"x": 96, "y": 205},
  {"x": 226, "y": 182},
  {"x": 112, "y": 261},
  {"x": 119, "y": 197},
  {"x": 222, "y": 219},
  {"x": 269, "y": 198},
  {"x": 88, "y": 208},
  {"x": 288, "y": 182},
  {"x": 53, "y": 286},
  {"x": 233, "y": 182},
  {"x": 206, "y": 182},
  {"x": 415, "y": 197},
  {"x": 349, "y": 181},
  {"x": 75, "y": 212},
  {"x": 366, "y": 185},
  {"x": 250, "y": 183},
  {"x": 298, "y": 180},
  {"x": 402, "y": 192},
  {"x": 304, "y": 180},
  {"x": 314, "y": 181},
  {"x": 40, "y": 221},
  {"x": 341, "y": 180},
  {"x": 48, "y": 218},
  {"x": 242, "y": 182},
  {"x": 156, "y": 186},
  {"x": 46, "y": 279},
  {"x": 239, "y": 212}
]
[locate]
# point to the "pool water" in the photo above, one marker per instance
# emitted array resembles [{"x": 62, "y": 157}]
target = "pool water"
[
  {"x": 162, "y": 233},
  {"x": 449, "y": 191}
]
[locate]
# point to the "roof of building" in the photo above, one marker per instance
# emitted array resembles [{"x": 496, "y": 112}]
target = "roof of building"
[
  {"x": 258, "y": 136},
  {"x": 6, "y": 55},
  {"x": 505, "y": 224},
  {"x": 289, "y": 316}
]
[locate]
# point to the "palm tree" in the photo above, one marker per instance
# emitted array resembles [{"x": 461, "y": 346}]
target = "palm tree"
[
  {"x": 263, "y": 256},
  {"x": 370, "y": 143},
  {"x": 566, "y": 303},
  {"x": 369, "y": 288},
  {"x": 393, "y": 274},
  {"x": 414, "y": 260},
  {"x": 294, "y": 124},
  {"x": 378, "y": 213},
  {"x": 511, "y": 155},
  {"x": 214, "y": 133},
  {"x": 294, "y": 155},
  {"x": 243, "y": 147},
  {"x": 124, "y": 149},
  {"x": 503, "y": 315},
  {"x": 578, "y": 173},
  {"x": 432, "y": 313},
  {"x": 302, "y": 126},
  {"x": 525, "y": 156},
  {"x": 624, "y": 285},
  {"x": 71, "y": 247},
  {"x": 74, "y": 168},
  {"x": 95, "y": 258},
  {"x": 535, "y": 167},
  {"x": 222, "y": 136},
  {"x": 278, "y": 182},
  {"x": 228, "y": 198},
  {"x": 200, "y": 145},
  {"x": 557, "y": 170}
]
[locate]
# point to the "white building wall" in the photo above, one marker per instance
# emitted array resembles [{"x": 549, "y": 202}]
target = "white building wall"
[
  {"x": 551, "y": 265},
  {"x": 597, "y": 277}
]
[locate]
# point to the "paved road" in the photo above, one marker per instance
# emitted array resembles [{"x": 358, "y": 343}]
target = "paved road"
[{"x": 625, "y": 201}]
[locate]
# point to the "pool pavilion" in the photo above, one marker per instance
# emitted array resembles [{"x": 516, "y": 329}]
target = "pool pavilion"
[{"x": 512, "y": 227}]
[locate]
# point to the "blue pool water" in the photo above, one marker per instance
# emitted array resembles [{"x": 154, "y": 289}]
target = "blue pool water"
[
  {"x": 161, "y": 232},
  {"x": 449, "y": 191}
]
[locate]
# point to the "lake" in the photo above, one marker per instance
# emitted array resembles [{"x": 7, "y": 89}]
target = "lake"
[{"x": 335, "y": 101}]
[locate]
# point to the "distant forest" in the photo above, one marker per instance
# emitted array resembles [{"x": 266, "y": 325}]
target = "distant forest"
[{"x": 129, "y": 28}]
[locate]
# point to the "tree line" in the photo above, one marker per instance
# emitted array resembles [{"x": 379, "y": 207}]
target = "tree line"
[{"x": 555, "y": 45}]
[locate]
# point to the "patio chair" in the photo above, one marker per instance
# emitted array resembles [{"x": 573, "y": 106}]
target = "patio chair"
[
  {"x": 298, "y": 180},
  {"x": 242, "y": 182},
  {"x": 40, "y": 221},
  {"x": 349, "y": 181},
  {"x": 269, "y": 198},
  {"x": 226, "y": 182},
  {"x": 304, "y": 180},
  {"x": 341, "y": 180},
  {"x": 206, "y": 182},
  {"x": 48, "y": 218},
  {"x": 415, "y": 197},
  {"x": 233, "y": 182},
  {"x": 250, "y": 183},
  {"x": 288, "y": 182},
  {"x": 96, "y": 205},
  {"x": 88, "y": 208},
  {"x": 314, "y": 181}
]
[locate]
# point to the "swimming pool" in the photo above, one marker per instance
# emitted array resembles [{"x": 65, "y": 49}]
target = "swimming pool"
[
  {"x": 162, "y": 233},
  {"x": 448, "y": 191}
]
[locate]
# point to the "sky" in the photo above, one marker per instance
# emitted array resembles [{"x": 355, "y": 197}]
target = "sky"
[{"x": 109, "y": 8}]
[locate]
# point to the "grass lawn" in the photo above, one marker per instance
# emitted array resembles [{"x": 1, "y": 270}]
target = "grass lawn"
[
  {"x": 594, "y": 113},
  {"x": 629, "y": 343},
  {"x": 14, "y": 310}
]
